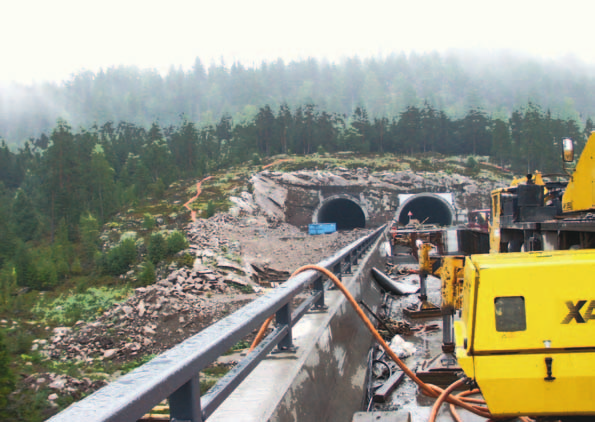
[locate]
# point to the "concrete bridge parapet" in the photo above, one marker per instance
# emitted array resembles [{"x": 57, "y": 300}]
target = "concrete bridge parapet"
[{"x": 324, "y": 379}]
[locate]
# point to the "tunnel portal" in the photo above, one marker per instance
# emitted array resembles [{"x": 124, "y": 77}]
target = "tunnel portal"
[
  {"x": 345, "y": 213},
  {"x": 427, "y": 208}
]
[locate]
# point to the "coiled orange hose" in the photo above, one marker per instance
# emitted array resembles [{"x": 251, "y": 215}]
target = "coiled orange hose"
[
  {"x": 442, "y": 397},
  {"x": 428, "y": 389}
]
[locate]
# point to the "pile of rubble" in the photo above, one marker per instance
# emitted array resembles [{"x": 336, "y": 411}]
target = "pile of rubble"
[
  {"x": 168, "y": 308},
  {"x": 210, "y": 234},
  {"x": 61, "y": 385},
  {"x": 175, "y": 307}
]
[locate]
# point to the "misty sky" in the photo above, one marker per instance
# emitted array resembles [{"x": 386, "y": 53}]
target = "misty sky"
[{"x": 51, "y": 39}]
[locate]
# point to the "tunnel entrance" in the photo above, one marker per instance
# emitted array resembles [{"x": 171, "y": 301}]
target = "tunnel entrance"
[
  {"x": 427, "y": 208},
  {"x": 345, "y": 213}
]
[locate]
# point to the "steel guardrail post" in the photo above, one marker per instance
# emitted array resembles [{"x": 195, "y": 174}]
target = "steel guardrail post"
[
  {"x": 283, "y": 317},
  {"x": 338, "y": 271},
  {"x": 184, "y": 403},
  {"x": 318, "y": 286},
  {"x": 348, "y": 262}
]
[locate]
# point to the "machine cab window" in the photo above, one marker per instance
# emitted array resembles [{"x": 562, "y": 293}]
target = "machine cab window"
[{"x": 510, "y": 313}]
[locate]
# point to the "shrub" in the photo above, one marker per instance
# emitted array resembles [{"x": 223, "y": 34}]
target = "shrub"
[
  {"x": 89, "y": 235},
  {"x": 210, "y": 209},
  {"x": 26, "y": 271},
  {"x": 157, "y": 248},
  {"x": 47, "y": 274},
  {"x": 472, "y": 166},
  {"x": 185, "y": 260},
  {"x": 157, "y": 189},
  {"x": 149, "y": 222},
  {"x": 176, "y": 242},
  {"x": 76, "y": 268},
  {"x": 118, "y": 259},
  {"x": 8, "y": 284},
  {"x": 147, "y": 275}
]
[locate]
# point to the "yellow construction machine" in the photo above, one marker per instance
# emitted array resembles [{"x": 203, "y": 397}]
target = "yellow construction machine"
[
  {"x": 533, "y": 215},
  {"x": 526, "y": 334}
]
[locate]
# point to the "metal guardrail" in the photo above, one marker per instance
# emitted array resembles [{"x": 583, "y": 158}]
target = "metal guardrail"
[{"x": 175, "y": 373}]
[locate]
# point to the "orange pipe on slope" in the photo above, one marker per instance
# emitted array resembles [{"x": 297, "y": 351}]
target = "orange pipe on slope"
[
  {"x": 277, "y": 162},
  {"x": 198, "y": 191}
]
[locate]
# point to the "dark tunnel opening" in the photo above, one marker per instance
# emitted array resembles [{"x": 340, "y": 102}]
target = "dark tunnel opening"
[
  {"x": 426, "y": 209},
  {"x": 345, "y": 213}
]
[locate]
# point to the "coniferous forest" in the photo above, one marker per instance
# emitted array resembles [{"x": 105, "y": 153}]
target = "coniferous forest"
[
  {"x": 73, "y": 155},
  {"x": 62, "y": 182}
]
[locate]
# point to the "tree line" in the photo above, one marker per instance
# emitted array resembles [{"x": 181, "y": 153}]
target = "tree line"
[{"x": 66, "y": 185}]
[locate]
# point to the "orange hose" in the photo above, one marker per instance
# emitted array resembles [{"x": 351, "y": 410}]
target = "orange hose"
[
  {"x": 442, "y": 397},
  {"x": 471, "y": 400},
  {"x": 430, "y": 390},
  {"x": 260, "y": 335},
  {"x": 463, "y": 396}
]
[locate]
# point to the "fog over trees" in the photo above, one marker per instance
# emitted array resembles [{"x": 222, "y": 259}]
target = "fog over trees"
[{"x": 384, "y": 87}]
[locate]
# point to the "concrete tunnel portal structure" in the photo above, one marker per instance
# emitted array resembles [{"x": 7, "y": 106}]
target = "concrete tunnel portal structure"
[
  {"x": 346, "y": 213},
  {"x": 427, "y": 208}
]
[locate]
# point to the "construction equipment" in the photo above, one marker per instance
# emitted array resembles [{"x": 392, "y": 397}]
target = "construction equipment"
[
  {"x": 533, "y": 215},
  {"x": 526, "y": 333},
  {"x": 425, "y": 308},
  {"x": 443, "y": 369}
]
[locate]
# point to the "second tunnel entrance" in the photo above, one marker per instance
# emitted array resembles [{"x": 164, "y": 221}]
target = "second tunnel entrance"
[{"x": 427, "y": 208}]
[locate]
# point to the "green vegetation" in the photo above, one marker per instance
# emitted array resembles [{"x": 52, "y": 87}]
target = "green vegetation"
[
  {"x": 119, "y": 259},
  {"x": 176, "y": 242},
  {"x": 67, "y": 310},
  {"x": 7, "y": 380},
  {"x": 147, "y": 275},
  {"x": 157, "y": 248}
]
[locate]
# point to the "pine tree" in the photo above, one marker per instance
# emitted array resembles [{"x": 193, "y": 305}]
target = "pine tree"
[
  {"x": 25, "y": 222},
  {"x": 7, "y": 380},
  {"x": 89, "y": 237},
  {"x": 501, "y": 143},
  {"x": 101, "y": 186}
]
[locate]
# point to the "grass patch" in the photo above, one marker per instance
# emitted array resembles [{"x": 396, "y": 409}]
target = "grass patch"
[
  {"x": 67, "y": 310},
  {"x": 240, "y": 345}
]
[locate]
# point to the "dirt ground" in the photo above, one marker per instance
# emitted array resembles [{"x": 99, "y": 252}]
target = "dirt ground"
[
  {"x": 286, "y": 247},
  {"x": 282, "y": 247}
]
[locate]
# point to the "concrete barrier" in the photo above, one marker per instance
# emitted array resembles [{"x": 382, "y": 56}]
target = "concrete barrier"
[{"x": 323, "y": 380}]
